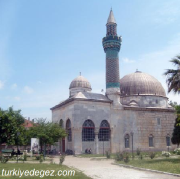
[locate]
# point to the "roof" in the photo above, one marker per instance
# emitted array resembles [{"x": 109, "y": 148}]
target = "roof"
[
  {"x": 111, "y": 18},
  {"x": 27, "y": 123},
  {"x": 89, "y": 95},
  {"x": 85, "y": 96},
  {"x": 80, "y": 81},
  {"x": 139, "y": 83}
]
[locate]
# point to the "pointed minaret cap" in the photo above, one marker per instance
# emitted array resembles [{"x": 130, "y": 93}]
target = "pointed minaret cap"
[{"x": 111, "y": 18}]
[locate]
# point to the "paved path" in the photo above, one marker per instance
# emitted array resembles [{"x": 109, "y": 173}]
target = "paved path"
[{"x": 103, "y": 169}]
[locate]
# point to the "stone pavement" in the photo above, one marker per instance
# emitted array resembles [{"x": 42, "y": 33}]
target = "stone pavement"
[{"x": 103, "y": 169}]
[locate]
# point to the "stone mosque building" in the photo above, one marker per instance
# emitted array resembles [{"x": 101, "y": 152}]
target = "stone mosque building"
[{"x": 134, "y": 111}]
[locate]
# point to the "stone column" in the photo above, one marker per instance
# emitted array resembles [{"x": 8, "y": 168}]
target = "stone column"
[
  {"x": 77, "y": 140},
  {"x": 111, "y": 140},
  {"x": 96, "y": 140}
]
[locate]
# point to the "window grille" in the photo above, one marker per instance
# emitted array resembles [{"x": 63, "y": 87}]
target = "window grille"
[
  {"x": 88, "y": 131},
  {"x": 61, "y": 123},
  {"x": 68, "y": 130},
  {"x": 104, "y": 131},
  {"x": 126, "y": 140},
  {"x": 151, "y": 142}
]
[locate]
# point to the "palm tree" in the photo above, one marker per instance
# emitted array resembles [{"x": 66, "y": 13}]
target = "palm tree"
[{"x": 173, "y": 76}]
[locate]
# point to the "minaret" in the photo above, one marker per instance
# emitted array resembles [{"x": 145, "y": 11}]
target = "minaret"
[{"x": 111, "y": 45}]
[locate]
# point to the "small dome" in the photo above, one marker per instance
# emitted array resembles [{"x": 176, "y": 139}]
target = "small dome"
[
  {"x": 80, "y": 81},
  {"x": 139, "y": 83}
]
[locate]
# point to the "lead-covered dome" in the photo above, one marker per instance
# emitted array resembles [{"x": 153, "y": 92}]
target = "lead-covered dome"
[
  {"x": 79, "y": 84},
  {"x": 80, "y": 81},
  {"x": 139, "y": 83}
]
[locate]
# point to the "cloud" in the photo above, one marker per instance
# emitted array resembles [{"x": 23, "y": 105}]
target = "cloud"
[
  {"x": 14, "y": 86},
  {"x": 155, "y": 63},
  {"x": 1, "y": 84},
  {"x": 127, "y": 60},
  {"x": 17, "y": 98},
  {"x": 167, "y": 13},
  {"x": 28, "y": 90}
]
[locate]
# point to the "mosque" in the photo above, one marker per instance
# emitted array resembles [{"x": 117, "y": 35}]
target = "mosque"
[{"x": 133, "y": 113}]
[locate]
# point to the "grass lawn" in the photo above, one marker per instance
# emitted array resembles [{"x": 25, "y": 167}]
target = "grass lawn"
[
  {"x": 91, "y": 155},
  {"x": 171, "y": 165},
  {"x": 39, "y": 167}
]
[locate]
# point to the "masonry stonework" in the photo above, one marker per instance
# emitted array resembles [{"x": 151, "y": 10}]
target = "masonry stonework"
[{"x": 134, "y": 107}]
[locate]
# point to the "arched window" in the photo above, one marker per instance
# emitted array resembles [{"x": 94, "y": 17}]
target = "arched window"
[
  {"x": 126, "y": 141},
  {"x": 104, "y": 131},
  {"x": 88, "y": 131},
  {"x": 168, "y": 141},
  {"x": 68, "y": 130},
  {"x": 61, "y": 124},
  {"x": 151, "y": 141}
]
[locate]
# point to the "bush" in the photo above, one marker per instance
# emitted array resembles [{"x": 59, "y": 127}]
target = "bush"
[
  {"x": 126, "y": 157},
  {"x": 122, "y": 156},
  {"x": 152, "y": 155},
  {"x": 4, "y": 159},
  {"x": 119, "y": 156},
  {"x": 41, "y": 158},
  {"x": 108, "y": 154},
  {"x": 138, "y": 151},
  {"x": 165, "y": 153},
  {"x": 61, "y": 159},
  {"x": 141, "y": 157},
  {"x": 37, "y": 157},
  {"x": 25, "y": 157},
  {"x": 177, "y": 151}
]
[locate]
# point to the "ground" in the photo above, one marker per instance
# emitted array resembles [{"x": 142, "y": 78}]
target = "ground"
[{"x": 104, "y": 169}]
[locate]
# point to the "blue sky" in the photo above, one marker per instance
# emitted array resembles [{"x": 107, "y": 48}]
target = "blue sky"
[{"x": 44, "y": 45}]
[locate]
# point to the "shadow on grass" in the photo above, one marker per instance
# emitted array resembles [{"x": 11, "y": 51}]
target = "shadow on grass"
[{"x": 170, "y": 160}]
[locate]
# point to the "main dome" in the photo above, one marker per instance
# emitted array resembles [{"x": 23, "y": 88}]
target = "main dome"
[
  {"x": 139, "y": 83},
  {"x": 80, "y": 81}
]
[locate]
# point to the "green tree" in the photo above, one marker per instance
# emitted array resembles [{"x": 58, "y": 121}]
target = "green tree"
[
  {"x": 176, "y": 106},
  {"x": 47, "y": 132},
  {"x": 10, "y": 126},
  {"x": 173, "y": 76},
  {"x": 176, "y": 132}
]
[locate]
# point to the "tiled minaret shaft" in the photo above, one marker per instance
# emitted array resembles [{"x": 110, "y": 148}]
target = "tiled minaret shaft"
[{"x": 111, "y": 45}]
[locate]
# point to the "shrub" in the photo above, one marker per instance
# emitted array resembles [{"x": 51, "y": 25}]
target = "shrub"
[
  {"x": 126, "y": 157},
  {"x": 119, "y": 156},
  {"x": 138, "y": 151},
  {"x": 25, "y": 157},
  {"x": 177, "y": 151},
  {"x": 4, "y": 159},
  {"x": 61, "y": 159},
  {"x": 152, "y": 155},
  {"x": 141, "y": 157},
  {"x": 165, "y": 153},
  {"x": 108, "y": 154},
  {"x": 41, "y": 158},
  {"x": 122, "y": 156},
  {"x": 37, "y": 157}
]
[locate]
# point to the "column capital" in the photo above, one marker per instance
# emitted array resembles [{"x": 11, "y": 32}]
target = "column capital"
[{"x": 96, "y": 130}]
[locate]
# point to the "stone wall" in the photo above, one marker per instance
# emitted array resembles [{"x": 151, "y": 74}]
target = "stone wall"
[
  {"x": 143, "y": 122},
  {"x": 145, "y": 101}
]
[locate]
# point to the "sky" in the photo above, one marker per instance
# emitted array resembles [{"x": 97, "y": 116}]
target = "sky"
[{"x": 44, "y": 45}]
